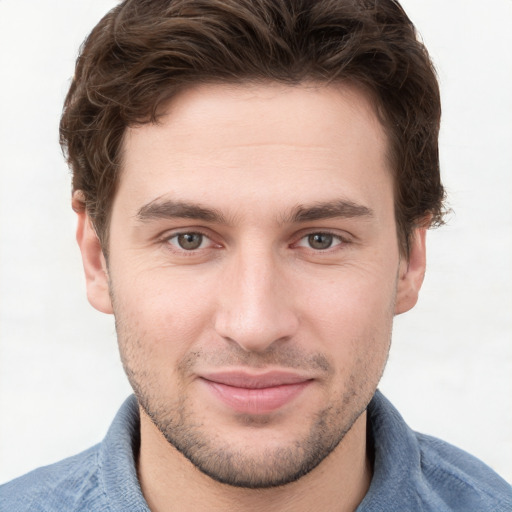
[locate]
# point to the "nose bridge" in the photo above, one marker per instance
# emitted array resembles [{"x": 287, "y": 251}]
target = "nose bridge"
[{"x": 256, "y": 309}]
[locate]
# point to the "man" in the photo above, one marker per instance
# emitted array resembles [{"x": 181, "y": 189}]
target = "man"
[{"x": 253, "y": 182}]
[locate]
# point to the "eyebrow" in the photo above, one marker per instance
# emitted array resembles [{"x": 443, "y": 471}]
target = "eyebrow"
[
  {"x": 328, "y": 210},
  {"x": 169, "y": 209}
]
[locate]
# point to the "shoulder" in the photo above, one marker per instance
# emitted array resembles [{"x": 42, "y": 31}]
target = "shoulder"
[
  {"x": 72, "y": 484},
  {"x": 414, "y": 471},
  {"x": 462, "y": 481},
  {"x": 101, "y": 479}
]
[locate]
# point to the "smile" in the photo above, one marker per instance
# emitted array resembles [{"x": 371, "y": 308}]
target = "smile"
[{"x": 256, "y": 394}]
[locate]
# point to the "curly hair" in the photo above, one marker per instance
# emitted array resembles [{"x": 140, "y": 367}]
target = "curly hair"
[{"x": 144, "y": 51}]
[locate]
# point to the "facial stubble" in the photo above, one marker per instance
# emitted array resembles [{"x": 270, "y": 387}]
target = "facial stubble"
[
  {"x": 193, "y": 439},
  {"x": 215, "y": 456}
]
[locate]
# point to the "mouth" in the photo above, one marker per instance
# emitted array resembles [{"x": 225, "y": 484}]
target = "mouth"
[{"x": 256, "y": 394}]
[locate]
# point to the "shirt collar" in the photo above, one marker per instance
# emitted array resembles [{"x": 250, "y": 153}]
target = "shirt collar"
[
  {"x": 396, "y": 460},
  {"x": 117, "y": 459}
]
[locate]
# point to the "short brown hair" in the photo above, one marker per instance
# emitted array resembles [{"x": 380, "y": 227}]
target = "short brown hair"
[{"x": 143, "y": 51}]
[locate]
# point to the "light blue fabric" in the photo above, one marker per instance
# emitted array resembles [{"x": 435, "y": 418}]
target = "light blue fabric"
[{"x": 412, "y": 472}]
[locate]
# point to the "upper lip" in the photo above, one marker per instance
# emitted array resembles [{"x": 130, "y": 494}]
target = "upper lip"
[{"x": 241, "y": 379}]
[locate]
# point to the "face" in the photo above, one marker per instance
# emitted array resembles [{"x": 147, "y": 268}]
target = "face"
[{"x": 254, "y": 273}]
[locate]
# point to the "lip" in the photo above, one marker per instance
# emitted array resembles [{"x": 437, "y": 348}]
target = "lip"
[{"x": 256, "y": 393}]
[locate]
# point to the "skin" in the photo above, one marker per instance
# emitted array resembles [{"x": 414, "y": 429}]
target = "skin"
[{"x": 258, "y": 172}]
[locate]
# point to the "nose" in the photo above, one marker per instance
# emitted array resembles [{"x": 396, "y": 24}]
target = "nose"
[{"x": 255, "y": 304}]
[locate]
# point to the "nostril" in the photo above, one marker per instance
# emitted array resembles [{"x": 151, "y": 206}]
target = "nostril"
[{"x": 257, "y": 333}]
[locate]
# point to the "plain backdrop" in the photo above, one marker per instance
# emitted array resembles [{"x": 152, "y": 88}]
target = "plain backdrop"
[{"x": 450, "y": 369}]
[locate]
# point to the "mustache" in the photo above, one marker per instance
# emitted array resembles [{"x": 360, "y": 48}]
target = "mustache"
[{"x": 283, "y": 357}]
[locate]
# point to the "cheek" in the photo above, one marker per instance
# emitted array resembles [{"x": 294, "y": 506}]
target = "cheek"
[
  {"x": 352, "y": 315},
  {"x": 158, "y": 319},
  {"x": 352, "y": 300}
]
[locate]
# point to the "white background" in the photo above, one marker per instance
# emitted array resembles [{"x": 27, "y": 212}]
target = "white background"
[{"x": 450, "y": 371}]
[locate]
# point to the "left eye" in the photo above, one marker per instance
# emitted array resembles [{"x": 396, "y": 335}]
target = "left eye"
[
  {"x": 320, "y": 241},
  {"x": 189, "y": 241}
]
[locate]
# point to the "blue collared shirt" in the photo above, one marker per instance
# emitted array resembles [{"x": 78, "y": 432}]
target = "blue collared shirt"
[{"x": 412, "y": 472}]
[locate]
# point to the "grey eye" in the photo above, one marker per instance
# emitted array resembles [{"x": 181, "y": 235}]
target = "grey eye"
[
  {"x": 190, "y": 241},
  {"x": 320, "y": 241}
]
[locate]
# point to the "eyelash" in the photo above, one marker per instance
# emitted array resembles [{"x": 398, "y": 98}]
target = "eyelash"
[
  {"x": 337, "y": 240},
  {"x": 191, "y": 252}
]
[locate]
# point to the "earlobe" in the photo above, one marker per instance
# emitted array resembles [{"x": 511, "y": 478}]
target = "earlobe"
[
  {"x": 93, "y": 260},
  {"x": 411, "y": 273}
]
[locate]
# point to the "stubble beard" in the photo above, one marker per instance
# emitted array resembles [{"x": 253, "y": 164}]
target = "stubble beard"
[
  {"x": 227, "y": 465},
  {"x": 216, "y": 457},
  {"x": 213, "y": 455}
]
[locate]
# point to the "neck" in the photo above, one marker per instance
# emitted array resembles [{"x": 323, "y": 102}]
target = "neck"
[{"x": 169, "y": 481}]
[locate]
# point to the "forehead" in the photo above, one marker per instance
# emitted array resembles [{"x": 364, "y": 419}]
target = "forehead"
[{"x": 254, "y": 142}]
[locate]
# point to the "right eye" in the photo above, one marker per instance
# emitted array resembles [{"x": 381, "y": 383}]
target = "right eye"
[{"x": 190, "y": 241}]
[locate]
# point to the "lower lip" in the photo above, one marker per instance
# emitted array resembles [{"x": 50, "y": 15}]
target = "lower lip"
[{"x": 256, "y": 401}]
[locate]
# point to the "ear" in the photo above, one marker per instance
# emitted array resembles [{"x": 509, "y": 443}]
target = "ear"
[
  {"x": 95, "y": 266},
  {"x": 411, "y": 273}
]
